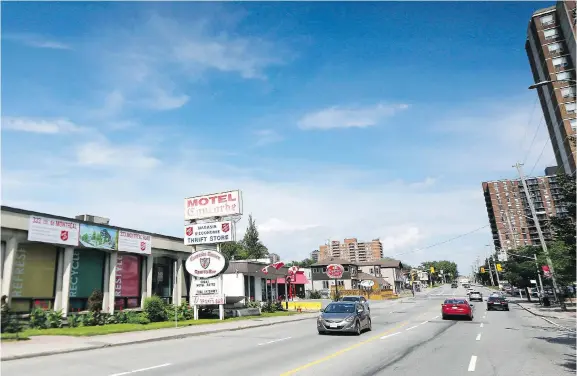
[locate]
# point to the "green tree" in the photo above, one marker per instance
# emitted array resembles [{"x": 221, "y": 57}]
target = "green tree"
[
  {"x": 234, "y": 251},
  {"x": 251, "y": 241},
  {"x": 519, "y": 271}
]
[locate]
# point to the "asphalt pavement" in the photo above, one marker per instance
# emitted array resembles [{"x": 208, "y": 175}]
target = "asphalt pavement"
[{"x": 409, "y": 338}]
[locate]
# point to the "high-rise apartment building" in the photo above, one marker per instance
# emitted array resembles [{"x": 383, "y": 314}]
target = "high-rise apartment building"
[
  {"x": 352, "y": 250},
  {"x": 509, "y": 213},
  {"x": 551, "y": 49},
  {"x": 273, "y": 257},
  {"x": 315, "y": 255}
]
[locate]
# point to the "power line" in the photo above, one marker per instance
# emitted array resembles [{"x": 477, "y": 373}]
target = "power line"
[{"x": 442, "y": 242}]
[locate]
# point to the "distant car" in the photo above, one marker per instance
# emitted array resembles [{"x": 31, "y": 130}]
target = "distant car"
[
  {"x": 457, "y": 307},
  {"x": 351, "y": 317},
  {"x": 454, "y": 285},
  {"x": 497, "y": 302},
  {"x": 476, "y": 295},
  {"x": 357, "y": 298},
  {"x": 466, "y": 285}
]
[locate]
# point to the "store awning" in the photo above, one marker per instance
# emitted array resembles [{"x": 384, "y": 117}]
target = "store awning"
[{"x": 300, "y": 279}]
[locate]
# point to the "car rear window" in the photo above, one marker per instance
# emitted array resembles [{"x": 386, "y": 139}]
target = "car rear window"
[
  {"x": 492, "y": 298},
  {"x": 455, "y": 301},
  {"x": 350, "y": 299}
]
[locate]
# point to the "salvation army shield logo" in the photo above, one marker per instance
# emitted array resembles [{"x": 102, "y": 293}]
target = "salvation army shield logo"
[
  {"x": 205, "y": 262},
  {"x": 225, "y": 227},
  {"x": 64, "y": 235},
  {"x": 143, "y": 246},
  {"x": 189, "y": 231}
]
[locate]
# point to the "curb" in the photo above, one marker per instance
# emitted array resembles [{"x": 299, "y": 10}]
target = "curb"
[
  {"x": 546, "y": 318},
  {"x": 148, "y": 340}
]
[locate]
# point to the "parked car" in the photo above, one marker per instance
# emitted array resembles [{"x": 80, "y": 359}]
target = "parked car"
[
  {"x": 457, "y": 307},
  {"x": 356, "y": 298},
  {"x": 497, "y": 302},
  {"x": 351, "y": 317}
]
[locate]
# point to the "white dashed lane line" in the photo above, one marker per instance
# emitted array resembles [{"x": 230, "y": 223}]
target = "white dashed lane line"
[
  {"x": 140, "y": 370},
  {"x": 481, "y": 325},
  {"x": 390, "y": 335},
  {"x": 472, "y": 363},
  {"x": 274, "y": 341},
  {"x": 478, "y": 337}
]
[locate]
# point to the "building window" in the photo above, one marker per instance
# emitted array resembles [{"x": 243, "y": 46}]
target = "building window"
[
  {"x": 325, "y": 284},
  {"x": 564, "y": 76},
  {"x": 560, "y": 62},
  {"x": 555, "y": 48},
  {"x": 340, "y": 282},
  {"x": 547, "y": 20},
  {"x": 573, "y": 123},
  {"x": 568, "y": 92},
  {"x": 570, "y": 107},
  {"x": 551, "y": 33}
]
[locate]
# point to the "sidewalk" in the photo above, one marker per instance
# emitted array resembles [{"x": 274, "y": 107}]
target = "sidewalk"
[
  {"x": 51, "y": 345},
  {"x": 554, "y": 312}
]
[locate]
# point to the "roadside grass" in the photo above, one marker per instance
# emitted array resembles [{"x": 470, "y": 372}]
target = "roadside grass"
[
  {"x": 13, "y": 337},
  {"x": 86, "y": 331}
]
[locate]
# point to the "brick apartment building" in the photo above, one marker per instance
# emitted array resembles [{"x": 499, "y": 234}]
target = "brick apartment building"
[
  {"x": 551, "y": 51},
  {"x": 352, "y": 250},
  {"x": 509, "y": 213}
]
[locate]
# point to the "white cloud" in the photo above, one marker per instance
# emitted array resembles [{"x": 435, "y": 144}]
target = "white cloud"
[
  {"x": 428, "y": 182},
  {"x": 278, "y": 225},
  {"x": 32, "y": 125},
  {"x": 36, "y": 41},
  {"x": 103, "y": 154},
  {"x": 352, "y": 117},
  {"x": 266, "y": 137}
]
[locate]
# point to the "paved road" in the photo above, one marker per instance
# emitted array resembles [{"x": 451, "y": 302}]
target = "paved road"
[{"x": 408, "y": 339}]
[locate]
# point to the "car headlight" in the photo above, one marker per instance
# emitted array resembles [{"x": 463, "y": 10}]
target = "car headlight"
[{"x": 350, "y": 318}]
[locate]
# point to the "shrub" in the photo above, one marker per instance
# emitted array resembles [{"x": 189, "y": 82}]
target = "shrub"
[
  {"x": 10, "y": 321},
  {"x": 315, "y": 294},
  {"x": 270, "y": 307},
  {"x": 185, "y": 312},
  {"x": 253, "y": 304},
  {"x": 38, "y": 319},
  {"x": 95, "y": 301},
  {"x": 54, "y": 319},
  {"x": 73, "y": 321},
  {"x": 155, "y": 309}
]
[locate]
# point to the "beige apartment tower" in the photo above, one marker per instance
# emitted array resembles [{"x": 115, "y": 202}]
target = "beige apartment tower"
[{"x": 352, "y": 250}]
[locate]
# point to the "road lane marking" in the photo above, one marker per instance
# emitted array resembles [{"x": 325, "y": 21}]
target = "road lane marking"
[
  {"x": 478, "y": 337},
  {"x": 436, "y": 317},
  {"x": 140, "y": 370},
  {"x": 472, "y": 363},
  {"x": 273, "y": 341},
  {"x": 482, "y": 325},
  {"x": 390, "y": 335},
  {"x": 412, "y": 327},
  {"x": 341, "y": 352},
  {"x": 424, "y": 322}
]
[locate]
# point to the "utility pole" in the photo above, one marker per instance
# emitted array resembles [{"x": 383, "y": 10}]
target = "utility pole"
[
  {"x": 519, "y": 167},
  {"x": 490, "y": 271},
  {"x": 496, "y": 271}
]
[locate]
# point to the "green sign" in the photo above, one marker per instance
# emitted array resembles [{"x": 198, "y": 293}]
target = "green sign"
[{"x": 86, "y": 273}]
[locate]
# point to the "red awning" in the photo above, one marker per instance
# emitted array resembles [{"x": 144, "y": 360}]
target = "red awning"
[{"x": 301, "y": 279}]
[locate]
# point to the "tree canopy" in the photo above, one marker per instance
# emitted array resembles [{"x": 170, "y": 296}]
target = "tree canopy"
[
  {"x": 449, "y": 268},
  {"x": 250, "y": 247}
]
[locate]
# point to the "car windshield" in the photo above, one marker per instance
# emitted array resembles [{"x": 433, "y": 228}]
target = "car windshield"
[
  {"x": 351, "y": 299},
  {"x": 455, "y": 301},
  {"x": 340, "y": 308}
]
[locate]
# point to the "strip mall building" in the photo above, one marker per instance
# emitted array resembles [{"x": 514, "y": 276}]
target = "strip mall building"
[{"x": 57, "y": 262}]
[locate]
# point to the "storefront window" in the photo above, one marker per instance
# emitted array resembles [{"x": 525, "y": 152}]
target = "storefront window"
[
  {"x": 34, "y": 276},
  {"x": 162, "y": 277},
  {"x": 87, "y": 275},
  {"x": 127, "y": 284}
]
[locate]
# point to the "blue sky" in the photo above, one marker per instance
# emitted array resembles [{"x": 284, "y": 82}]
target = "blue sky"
[{"x": 335, "y": 119}]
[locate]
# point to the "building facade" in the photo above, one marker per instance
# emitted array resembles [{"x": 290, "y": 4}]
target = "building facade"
[
  {"x": 315, "y": 255},
  {"x": 390, "y": 270},
  {"x": 273, "y": 257},
  {"x": 509, "y": 213},
  {"x": 321, "y": 280},
  {"x": 352, "y": 250},
  {"x": 551, "y": 51}
]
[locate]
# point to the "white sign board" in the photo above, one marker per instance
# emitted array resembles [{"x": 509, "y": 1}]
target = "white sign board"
[
  {"x": 134, "y": 242},
  {"x": 208, "y": 299},
  {"x": 208, "y": 233},
  {"x": 50, "y": 230},
  {"x": 367, "y": 283},
  {"x": 208, "y": 286},
  {"x": 214, "y": 205},
  {"x": 205, "y": 264}
]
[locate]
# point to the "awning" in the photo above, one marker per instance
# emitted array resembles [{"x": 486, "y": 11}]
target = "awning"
[{"x": 300, "y": 279}]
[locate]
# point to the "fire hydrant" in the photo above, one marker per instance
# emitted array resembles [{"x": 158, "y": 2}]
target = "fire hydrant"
[{"x": 299, "y": 310}]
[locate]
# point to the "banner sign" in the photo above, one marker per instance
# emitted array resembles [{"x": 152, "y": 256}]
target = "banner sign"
[
  {"x": 205, "y": 287},
  {"x": 94, "y": 236},
  {"x": 208, "y": 299},
  {"x": 86, "y": 273},
  {"x": 214, "y": 205},
  {"x": 50, "y": 230},
  {"x": 134, "y": 242},
  {"x": 208, "y": 233},
  {"x": 127, "y": 281},
  {"x": 34, "y": 270}
]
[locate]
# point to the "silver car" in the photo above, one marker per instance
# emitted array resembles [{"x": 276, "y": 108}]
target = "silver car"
[{"x": 349, "y": 317}]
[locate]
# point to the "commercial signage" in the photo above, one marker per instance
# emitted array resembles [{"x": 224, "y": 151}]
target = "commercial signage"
[
  {"x": 86, "y": 272},
  {"x": 208, "y": 286},
  {"x": 93, "y": 236},
  {"x": 546, "y": 271},
  {"x": 50, "y": 230},
  {"x": 208, "y": 300},
  {"x": 34, "y": 270},
  {"x": 335, "y": 271},
  {"x": 206, "y": 264},
  {"x": 367, "y": 283},
  {"x": 127, "y": 281},
  {"x": 134, "y": 242},
  {"x": 207, "y": 233},
  {"x": 214, "y": 205}
]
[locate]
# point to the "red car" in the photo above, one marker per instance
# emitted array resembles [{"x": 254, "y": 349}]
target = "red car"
[{"x": 457, "y": 307}]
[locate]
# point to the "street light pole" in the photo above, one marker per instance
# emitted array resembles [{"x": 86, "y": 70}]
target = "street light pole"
[
  {"x": 490, "y": 271},
  {"x": 547, "y": 82},
  {"x": 519, "y": 167}
]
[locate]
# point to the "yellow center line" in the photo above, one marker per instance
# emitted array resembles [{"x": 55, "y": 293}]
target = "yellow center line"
[{"x": 340, "y": 352}]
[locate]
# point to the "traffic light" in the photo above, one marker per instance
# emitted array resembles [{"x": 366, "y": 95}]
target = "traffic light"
[
  {"x": 499, "y": 268},
  {"x": 432, "y": 269},
  {"x": 482, "y": 270}
]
